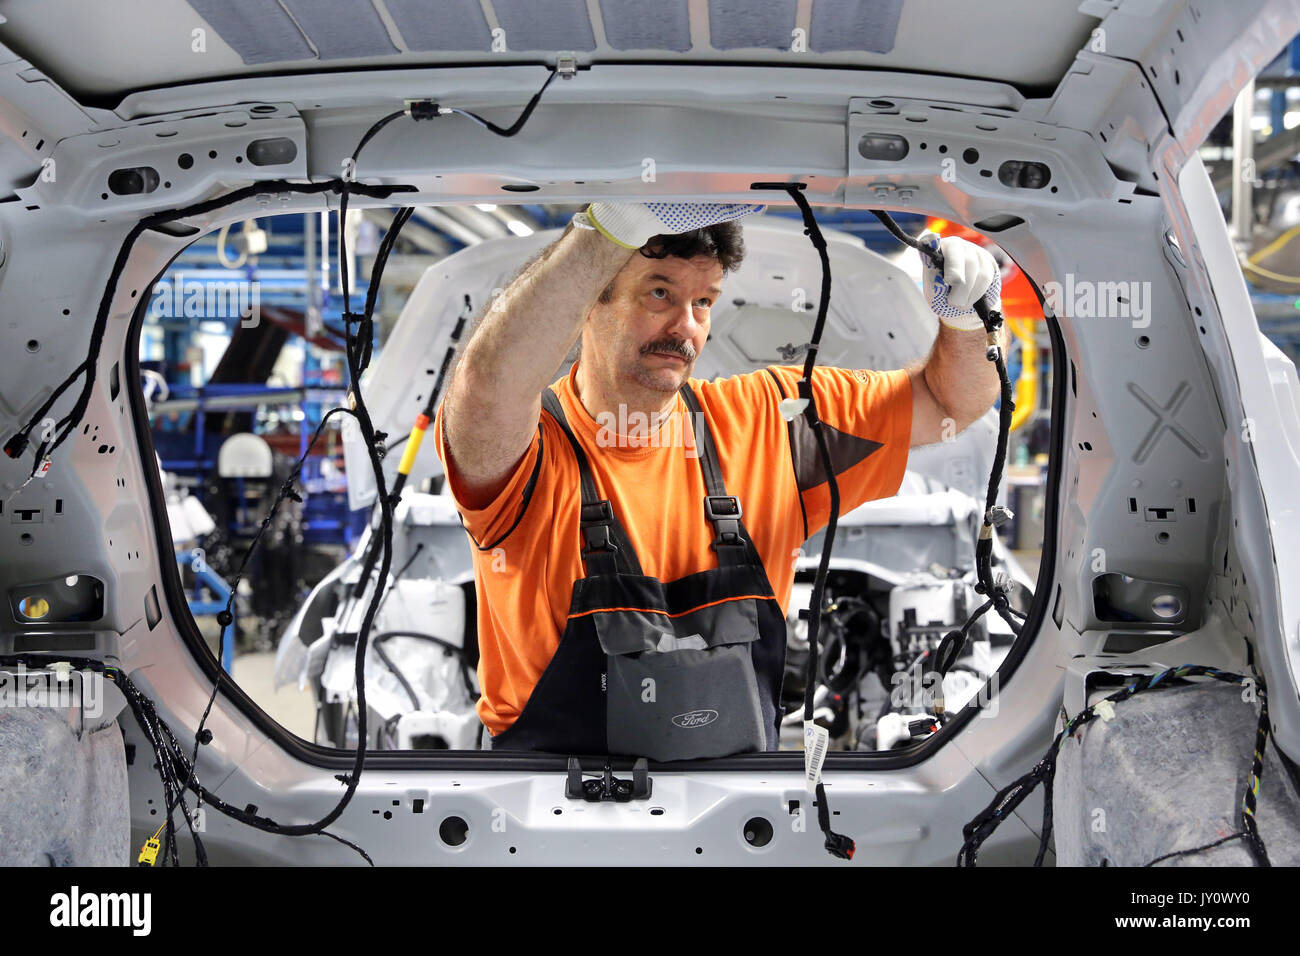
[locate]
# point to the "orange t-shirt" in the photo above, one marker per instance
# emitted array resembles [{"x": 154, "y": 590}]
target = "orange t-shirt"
[{"x": 527, "y": 552}]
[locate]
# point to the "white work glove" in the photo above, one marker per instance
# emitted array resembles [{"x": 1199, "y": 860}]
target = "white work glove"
[
  {"x": 968, "y": 273},
  {"x": 632, "y": 225}
]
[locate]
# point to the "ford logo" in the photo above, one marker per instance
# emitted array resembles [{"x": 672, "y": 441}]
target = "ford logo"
[{"x": 696, "y": 718}]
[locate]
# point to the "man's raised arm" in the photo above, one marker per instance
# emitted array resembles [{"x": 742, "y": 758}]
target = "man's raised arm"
[{"x": 492, "y": 404}]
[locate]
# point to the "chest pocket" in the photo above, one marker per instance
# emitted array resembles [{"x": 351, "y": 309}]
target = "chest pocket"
[{"x": 682, "y": 687}]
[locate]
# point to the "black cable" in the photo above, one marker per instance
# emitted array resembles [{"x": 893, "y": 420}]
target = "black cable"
[
  {"x": 1011, "y": 796},
  {"x": 954, "y": 642},
  {"x": 226, "y": 617},
  {"x": 420, "y": 111},
  {"x": 399, "y": 483},
  {"x": 18, "y": 442},
  {"x": 992, "y": 320},
  {"x": 445, "y": 644},
  {"x": 172, "y": 763},
  {"x": 837, "y": 844},
  {"x": 397, "y": 672},
  {"x": 1240, "y": 834},
  {"x": 357, "y": 359},
  {"x": 358, "y": 356},
  {"x": 358, "y": 350},
  {"x": 518, "y": 123},
  {"x": 392, "y": 586}
]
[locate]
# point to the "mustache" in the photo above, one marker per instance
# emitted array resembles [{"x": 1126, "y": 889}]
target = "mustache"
[{"x": 684, "y": 349}]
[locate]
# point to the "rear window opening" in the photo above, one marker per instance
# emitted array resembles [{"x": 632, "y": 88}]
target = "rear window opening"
[{"x": 241, "y": 349}]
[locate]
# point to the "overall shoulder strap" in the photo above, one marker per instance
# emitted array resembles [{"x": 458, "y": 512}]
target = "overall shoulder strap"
[
  {"x": 606, "y": 547},
  {"x": 731, "y": 541}
]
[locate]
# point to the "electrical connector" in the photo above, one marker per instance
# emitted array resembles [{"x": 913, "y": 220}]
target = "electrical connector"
[
  {"x": 149, "y": 852},
  {"x": 424, "y": 110},
  {"x": 999, "y": 515},
  {"x": 16, "y": 445}
]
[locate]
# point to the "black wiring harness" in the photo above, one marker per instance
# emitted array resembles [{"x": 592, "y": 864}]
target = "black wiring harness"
[
  {"x": 178, "y": 772},
  {"x": 149, "y": 721},
  {"x": 175, "y": 768},
  {"x": 837, "y": 844},
  {"x": 994, "y": 515},
  {"x": 950, "y": 649},
  {"x": 1011, "y": 796}
]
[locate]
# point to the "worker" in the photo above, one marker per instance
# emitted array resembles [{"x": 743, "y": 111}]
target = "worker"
[{"x": 635, "y": 530}]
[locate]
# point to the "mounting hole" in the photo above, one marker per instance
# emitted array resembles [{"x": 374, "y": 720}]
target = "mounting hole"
[
  {"x": 943, "y": 147},
  {"x": 1163, "y": 537},
  {"x": 1143, "y": 341},
  {"x": 656, "y": 811},
  {"x": 557, "y": 811},
  {"x": 699, "y": 849},
  {"x": 33, "y": 345},
  {"x": 1166, "y": 606},
  {"x": 262, "y": 108},
  {"x": 881, "y": 104},
  {"x": 512, "y": 849},
  {"x": 67, "y": 311},
  {"x": 212, "y": 154},
  {"x": 453, "y": 831},
  {"x": 1052, "y": 188},
  {"x": 26, "y": 538},
  {"x": 184, "y": 160},
  {"x": 970, "y": 155},
  {"x": 520, "y": 188},
  {"x": 758, "y": 831}
]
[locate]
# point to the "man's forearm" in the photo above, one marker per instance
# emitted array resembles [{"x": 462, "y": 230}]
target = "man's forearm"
[
  {"x": 494, "y": 396},
  {"x": 535, "y": 320},
  {"x": 962, "y": 380}
]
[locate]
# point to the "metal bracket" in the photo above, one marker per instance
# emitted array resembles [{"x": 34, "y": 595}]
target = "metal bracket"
[{"x": 607, "y": 786}]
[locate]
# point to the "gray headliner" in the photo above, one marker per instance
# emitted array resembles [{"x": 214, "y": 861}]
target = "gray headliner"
[{"x": 103, "y": 50}]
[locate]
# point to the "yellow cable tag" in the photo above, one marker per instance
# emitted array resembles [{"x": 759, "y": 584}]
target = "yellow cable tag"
[{"x": 149, "y": 852}]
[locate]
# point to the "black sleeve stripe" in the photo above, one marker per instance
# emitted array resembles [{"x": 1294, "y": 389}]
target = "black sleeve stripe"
[
  {"x": 789, "y": 430},
  {"x": 528, "y": 494}
]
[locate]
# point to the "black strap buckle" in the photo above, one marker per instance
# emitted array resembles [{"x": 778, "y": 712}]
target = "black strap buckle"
[
  {"x": 595, "y": 522},
  {"x": 724, "y": 511}
]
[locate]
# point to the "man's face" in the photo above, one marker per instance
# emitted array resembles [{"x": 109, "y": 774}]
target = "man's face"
[{"x": 653, "y": 329}]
